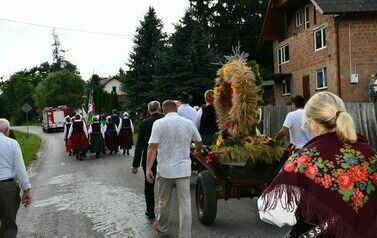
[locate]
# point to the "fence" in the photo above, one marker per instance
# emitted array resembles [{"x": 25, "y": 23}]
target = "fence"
[{"x": 364, "y": 114}]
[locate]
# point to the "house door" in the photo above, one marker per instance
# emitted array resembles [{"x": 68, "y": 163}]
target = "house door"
[{"x": 306, "y": 87}]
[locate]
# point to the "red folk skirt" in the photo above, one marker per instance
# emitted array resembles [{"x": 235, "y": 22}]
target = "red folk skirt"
[{"x": 79, "y": 142}]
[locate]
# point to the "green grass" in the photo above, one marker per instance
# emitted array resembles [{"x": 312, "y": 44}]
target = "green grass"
[{"x": 29, "y": 146}]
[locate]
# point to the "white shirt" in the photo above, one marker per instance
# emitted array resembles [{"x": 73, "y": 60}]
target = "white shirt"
[
  {"x": 11, "y": 162},
  {"x": 83, "y": 127},
  {"x": 186, "y": 111},
  {"x": 174, "y": 134},
  {"x": 198, "y": 118},
  {"x": 298, "y": 136}
]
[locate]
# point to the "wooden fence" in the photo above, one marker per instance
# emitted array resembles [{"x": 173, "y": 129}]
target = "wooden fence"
[{"x": 364, "y": 114}]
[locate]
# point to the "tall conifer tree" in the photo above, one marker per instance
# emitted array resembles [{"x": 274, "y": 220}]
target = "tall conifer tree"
[{"x": 148, "y": 44}]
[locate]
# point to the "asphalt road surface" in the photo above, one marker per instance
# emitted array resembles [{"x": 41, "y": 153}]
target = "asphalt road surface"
[{"x": 101, "y": 198}]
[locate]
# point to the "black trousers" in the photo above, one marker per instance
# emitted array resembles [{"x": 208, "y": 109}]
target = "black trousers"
[
  {"x": 9, "y": 204},
  {"x": 149, "y": 192}
]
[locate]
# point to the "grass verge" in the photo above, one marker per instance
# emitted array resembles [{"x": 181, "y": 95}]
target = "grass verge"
[{"x": 29, "y": 146}]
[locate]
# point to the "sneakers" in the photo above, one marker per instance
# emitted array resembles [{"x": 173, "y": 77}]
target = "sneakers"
[{"x": 156, "y": 229}]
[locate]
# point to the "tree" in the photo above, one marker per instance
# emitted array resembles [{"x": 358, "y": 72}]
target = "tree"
[
  {"x": 233, "y": 22},
  {"x": 188, "y": 64},
  {"x": 148, "y": 43},
  {"x": 60, "y": 88},
  {"x": 16, "y": 91}
]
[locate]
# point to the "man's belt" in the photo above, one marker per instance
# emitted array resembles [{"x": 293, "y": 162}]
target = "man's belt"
[{"x": 7, "y": 180}]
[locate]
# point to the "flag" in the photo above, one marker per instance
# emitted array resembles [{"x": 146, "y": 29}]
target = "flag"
[{"x": 91, "y": 111}]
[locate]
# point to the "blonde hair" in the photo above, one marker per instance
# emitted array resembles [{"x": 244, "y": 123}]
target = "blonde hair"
[{"x": 328, "y": 110}]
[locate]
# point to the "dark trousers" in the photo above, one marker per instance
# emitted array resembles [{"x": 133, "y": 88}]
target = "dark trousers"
[
  {"x": 149, "y": 192},
  {"x": 9, "y": 205}
]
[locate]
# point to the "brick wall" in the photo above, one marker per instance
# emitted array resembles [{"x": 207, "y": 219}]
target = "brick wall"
[
  {"x": 363, "y": 58},
  {"x": 304, "y": 60}
]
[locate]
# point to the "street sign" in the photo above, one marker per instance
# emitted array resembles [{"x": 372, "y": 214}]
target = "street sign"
[{"x": 26, "y": 108}]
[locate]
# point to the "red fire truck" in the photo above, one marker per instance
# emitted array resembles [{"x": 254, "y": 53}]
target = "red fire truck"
[{"x": 53, "y": 119}]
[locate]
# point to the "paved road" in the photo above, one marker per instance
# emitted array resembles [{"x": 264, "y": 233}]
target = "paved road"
[{"x": 101, "y": 198}]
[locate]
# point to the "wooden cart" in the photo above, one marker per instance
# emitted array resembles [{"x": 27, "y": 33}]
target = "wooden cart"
[{"x": 217, "y": 181}]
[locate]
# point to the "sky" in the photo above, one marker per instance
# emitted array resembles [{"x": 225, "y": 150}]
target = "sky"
[{"x": 24, "y": 46}]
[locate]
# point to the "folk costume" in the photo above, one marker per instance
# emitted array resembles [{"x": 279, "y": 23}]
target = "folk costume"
[
  {"x": 329, "y": 186},
  {"x": 67, "y": 126},
  {"x": 126, "y": 134},
  {"x": 78, "y": 135},
  {"x": 97, "y": 135},
  {"x": 111, "y": 136}
]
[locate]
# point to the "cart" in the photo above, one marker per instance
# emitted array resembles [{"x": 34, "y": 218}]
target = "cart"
[{"x": 217, "y": 181}]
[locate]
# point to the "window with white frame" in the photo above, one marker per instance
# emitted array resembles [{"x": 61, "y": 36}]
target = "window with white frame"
[
  {"x": 283, "y": 54},
  {"x": 298, "y": 18},
  {"x": 307, "y": 18},
  {"x": 286, "y": 87},
  {"x": 320, "y": 38},
  {"x": 321, "y": 78}
]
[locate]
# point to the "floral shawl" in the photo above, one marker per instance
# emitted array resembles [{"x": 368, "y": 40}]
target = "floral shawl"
[{"x": 334, "y": 185}]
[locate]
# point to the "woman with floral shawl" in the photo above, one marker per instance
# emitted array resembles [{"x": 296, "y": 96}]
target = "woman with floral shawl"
[{"x": 328, "y": 188}]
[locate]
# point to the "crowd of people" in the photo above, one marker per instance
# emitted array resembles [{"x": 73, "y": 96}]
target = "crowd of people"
[
  {"x": 326, "y": 188},
  {"x": 102, "y": 133}
]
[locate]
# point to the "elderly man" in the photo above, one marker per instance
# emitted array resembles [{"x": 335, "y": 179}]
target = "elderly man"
[
  {"x": 172, "y": 136},
  {"x": 145, "y": 129},
  {"x": 11, "y": 165}
]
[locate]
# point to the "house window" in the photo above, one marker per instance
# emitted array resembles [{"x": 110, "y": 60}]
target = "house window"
[
  {"x": 321, "y": 78},
  {"x": 283, "y": 53},
  {"x": 320, "y": 38},
  {"x": 286, "y": 87},
  {"x": 298, "y": 18},
  {"x": 306, "y": 16},
  {"x": 114, "y": 89}
]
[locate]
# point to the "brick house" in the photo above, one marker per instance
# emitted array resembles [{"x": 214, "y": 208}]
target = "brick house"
[{"x": 321, "y": 45}]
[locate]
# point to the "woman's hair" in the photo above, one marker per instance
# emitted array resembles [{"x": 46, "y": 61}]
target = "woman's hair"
[{"x": 328, "y": 110}]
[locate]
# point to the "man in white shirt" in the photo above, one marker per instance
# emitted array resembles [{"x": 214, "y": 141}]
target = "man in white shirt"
[
  {"x": 11, "y": 166},
  {"x": 293, "y": 124},
  {"x": 172, "y": 136},
  {"x": 185, "y": 110}
]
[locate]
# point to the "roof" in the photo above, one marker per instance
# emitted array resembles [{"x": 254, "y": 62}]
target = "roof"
[
  {"x": 105, "y": 81},
  {"x": 345, "y": 6},
  {"x": 273, "y": 24}
]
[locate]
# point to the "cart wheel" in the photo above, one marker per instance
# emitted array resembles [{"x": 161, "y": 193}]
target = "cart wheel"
[{"x": 206, "y": 198}]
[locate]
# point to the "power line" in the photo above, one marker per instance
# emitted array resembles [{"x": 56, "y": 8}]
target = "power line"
[{"x": 64, "y": 28}]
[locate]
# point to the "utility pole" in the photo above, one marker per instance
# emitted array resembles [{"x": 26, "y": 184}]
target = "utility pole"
[{"x": 57, "y": 56}]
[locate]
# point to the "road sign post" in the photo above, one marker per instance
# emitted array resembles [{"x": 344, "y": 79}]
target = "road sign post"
[{"x": 27, "y": 108}]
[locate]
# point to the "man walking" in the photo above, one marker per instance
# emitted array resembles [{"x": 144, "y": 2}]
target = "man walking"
[
  {"x": 11, "y": 165},
  {"x": 172, "y": 137},
  {"x": 293, "y": 124},
  {"x": 185, "y": 110},
  {"x": 145, "y": 129}
]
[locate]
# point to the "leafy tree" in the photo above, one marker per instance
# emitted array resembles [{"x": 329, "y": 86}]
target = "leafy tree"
[
  {"x": 148, "y": 43},
  {"x": 16, "y": 91},
  {"x": 62, "y": 87}
]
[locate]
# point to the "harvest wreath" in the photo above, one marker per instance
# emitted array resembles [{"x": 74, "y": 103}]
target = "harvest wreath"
[{"x": 236, "y": 102}]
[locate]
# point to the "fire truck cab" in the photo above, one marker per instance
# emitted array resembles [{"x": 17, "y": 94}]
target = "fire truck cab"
[{"x": 53, "y": 119}]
